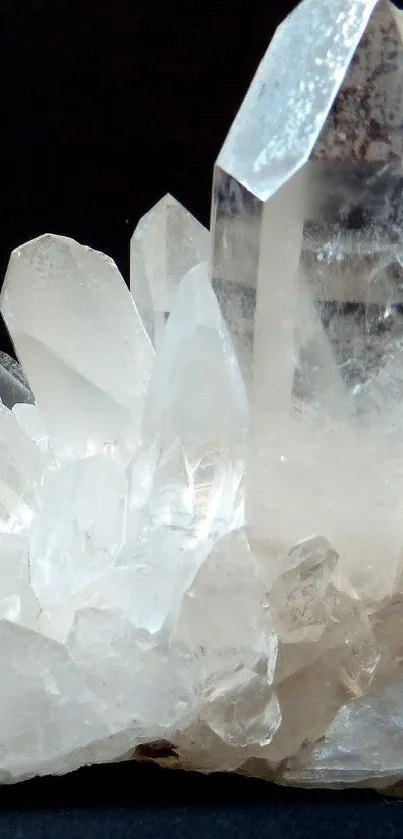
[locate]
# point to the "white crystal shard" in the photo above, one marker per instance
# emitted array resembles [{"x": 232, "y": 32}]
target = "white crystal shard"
[
  {"x": 64, "y": 304},
  {"x": 300, "y": 594},
  {"x": 167, "y": 242},
  {"x": 195, "y": 562}
]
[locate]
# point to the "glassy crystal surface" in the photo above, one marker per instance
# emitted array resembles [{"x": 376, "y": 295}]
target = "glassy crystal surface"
[
  {"x": 167, "y": 242},
  {"x": 66, "y": 307}
]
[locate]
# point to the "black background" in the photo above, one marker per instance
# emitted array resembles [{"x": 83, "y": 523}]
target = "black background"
[{"x": 105, "y": 105}]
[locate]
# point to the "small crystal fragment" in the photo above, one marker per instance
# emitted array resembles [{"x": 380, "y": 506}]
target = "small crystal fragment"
[
  {"x": 167, "y": 242},
  {"x": 300, "y": 595}
]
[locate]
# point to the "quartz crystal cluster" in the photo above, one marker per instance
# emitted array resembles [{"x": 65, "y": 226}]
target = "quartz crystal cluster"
[{"x": 201, "y": 479}]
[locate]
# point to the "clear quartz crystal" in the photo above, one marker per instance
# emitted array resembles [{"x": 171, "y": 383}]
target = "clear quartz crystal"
[
  {"x": 307, "y": 230},
  {"x": 167, "y": 242},
  {"x": 201, "y": 555}
]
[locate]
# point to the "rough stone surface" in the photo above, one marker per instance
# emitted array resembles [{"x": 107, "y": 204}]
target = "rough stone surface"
[{"x": 201, "y": 553}]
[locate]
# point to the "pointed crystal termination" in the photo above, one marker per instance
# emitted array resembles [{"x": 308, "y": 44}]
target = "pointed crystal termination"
[
  {"x": 66, "y": 308},
  {"x": 307, "y": 228},
  {"x": 167, "y": 242},
  {"x": 197, "y": 416},
  {"x": 195, "y": 430}
]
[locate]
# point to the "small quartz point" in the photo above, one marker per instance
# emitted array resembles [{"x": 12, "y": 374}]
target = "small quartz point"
[
  {"x": 14, "y": 387},
  {"x": 301, "y": 592},
  {"x": 81, "y": 342},
  {"x": 167, "y": 242},
  {"x": 234, "y": 645}
]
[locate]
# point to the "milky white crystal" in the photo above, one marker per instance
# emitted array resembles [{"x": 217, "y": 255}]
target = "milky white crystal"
[{"x": 201, "y": 551}]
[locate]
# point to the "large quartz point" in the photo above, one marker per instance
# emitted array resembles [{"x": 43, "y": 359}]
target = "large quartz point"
[
  {"x": 307, "y": 264},
  {"x": 167, "y": 242},
  {"x": 81, "y": 342}
]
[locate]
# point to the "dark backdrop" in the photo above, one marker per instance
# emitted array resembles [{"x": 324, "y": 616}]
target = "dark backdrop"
[{"x": 105, "y": 105}]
